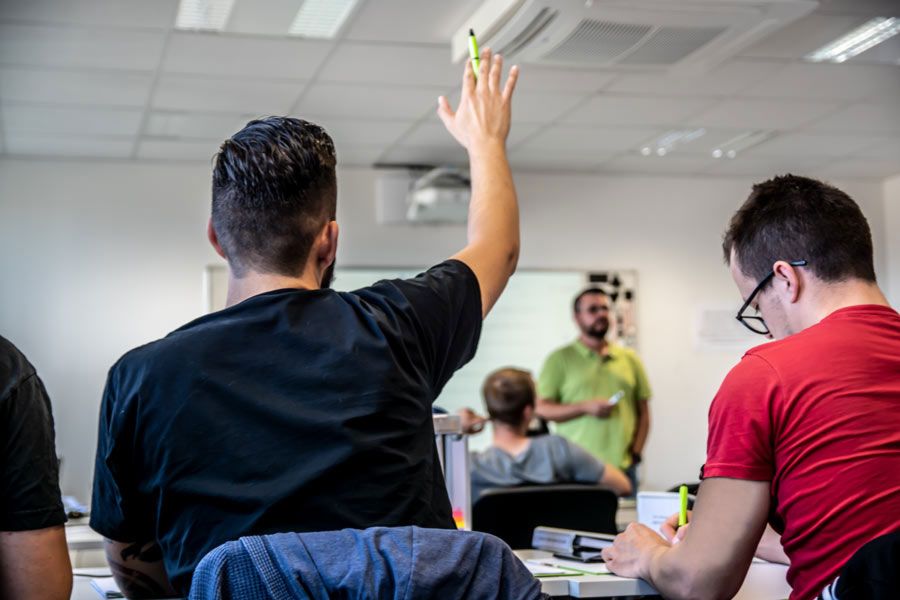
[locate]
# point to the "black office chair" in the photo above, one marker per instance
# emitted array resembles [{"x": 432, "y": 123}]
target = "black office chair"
[{"x": 512, "y": 513}]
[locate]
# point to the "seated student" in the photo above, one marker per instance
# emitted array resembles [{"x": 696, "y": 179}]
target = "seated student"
[
  {"x": 34, "y": 559},
  {"x": 517, "y": 459},
  {"x": 298, "y": 408},
  {"x": 805, "y": 431}
]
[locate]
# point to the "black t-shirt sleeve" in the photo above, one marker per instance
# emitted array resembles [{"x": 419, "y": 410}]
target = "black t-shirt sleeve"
[
  {"x": 114, "y": 511},
  {"x": 29, "y": 469},
  {"x": 443, "y": 306}
]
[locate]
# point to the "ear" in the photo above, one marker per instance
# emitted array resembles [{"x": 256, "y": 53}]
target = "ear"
[
  {"x": 788, "y": 279},
  {"x": 528, "y": 413},
  {"x": 328, "y": 241},
  {"x": 214, "y": 239}
]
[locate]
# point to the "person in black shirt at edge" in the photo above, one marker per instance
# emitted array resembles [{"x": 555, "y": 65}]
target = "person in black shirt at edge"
[
  {"x": 298, "y": 408},
  {"x": 34, "y": 559}
]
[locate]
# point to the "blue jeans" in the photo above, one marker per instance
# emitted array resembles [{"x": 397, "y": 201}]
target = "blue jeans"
[{"x": 631, "y": 473}]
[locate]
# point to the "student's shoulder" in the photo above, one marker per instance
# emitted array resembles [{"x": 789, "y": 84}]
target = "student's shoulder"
[{"x": 14, "y": 367}]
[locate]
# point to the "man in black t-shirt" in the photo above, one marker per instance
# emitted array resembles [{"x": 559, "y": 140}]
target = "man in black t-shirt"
[
  {"x": 34, "y": 559},
  {"x": 298, "y": 408}
]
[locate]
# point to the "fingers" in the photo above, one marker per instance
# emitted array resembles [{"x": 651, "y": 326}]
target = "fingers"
[
  {"x": 468, "y": 84},
  {"x": 496, "y": 71},
  {"x": 485, "y": 66},
  {"x": 510, "y": 83}
]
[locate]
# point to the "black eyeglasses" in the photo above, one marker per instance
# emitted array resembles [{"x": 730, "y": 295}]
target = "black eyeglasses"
[{"x": 755, "y": 323}]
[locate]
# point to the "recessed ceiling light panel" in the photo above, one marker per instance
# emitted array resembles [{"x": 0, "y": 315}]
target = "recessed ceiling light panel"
[
  {"x": 321, "y": 18},
  {"x": 857, "y": 41},
  {"x": 203, "y": 15}
]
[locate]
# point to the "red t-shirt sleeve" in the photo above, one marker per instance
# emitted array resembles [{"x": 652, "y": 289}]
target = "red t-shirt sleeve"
[{"x": 740, "y": 443}]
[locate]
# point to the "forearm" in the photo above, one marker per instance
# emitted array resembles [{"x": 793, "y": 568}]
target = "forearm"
[
  {"x": 770, "y": 547},
  {"x": 493, "y": 224},
  {"x": 642, "y": 430},
  {"x": 558, "y": 412},
  {"x": 679, "y": 573}
]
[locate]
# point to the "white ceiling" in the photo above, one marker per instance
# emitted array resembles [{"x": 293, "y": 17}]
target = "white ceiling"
[{"x": 113, "y": 79}]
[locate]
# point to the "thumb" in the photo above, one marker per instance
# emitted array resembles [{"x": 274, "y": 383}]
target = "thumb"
[{"x": 445, "y": 112}]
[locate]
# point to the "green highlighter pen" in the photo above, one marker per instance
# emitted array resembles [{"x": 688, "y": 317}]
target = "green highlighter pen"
[
  {"x": 683, "y": 497},
  {"x": 473, "y": 53}
]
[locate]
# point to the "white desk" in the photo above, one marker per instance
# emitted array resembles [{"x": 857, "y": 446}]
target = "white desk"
[{"x": 764, "y": 580}]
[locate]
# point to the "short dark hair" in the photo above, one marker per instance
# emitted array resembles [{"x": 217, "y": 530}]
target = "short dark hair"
[
  {"x": 798, "y": 218},
  {"x": 274, "y": 187},
  {"x": 506, "y": 394},
  {"x": 586, "y": 292}
]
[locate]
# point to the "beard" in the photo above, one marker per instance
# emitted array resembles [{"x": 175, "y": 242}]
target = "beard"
[
  {"x": 327, "y": 277},
  {"x": 598, "y": 331}
]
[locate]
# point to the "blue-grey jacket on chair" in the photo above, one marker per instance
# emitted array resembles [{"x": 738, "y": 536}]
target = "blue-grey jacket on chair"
[{"x": 396, "y": 563}]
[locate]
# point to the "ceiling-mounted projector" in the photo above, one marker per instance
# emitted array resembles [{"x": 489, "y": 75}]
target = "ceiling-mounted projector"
[{"x": 440, "y": 196}]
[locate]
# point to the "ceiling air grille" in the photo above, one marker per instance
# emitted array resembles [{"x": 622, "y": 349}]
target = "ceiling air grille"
[
  {"x": 596, "y": 42},
  {"x": 668, "y": 45}
]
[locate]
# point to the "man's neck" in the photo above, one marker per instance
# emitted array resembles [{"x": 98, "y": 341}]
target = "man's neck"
[
  {"x": 511, "y": 439},
  {"x": 253, "y": 284},
  {"x": 598, "y": 345},
  {"x": 831, "y": 297}
]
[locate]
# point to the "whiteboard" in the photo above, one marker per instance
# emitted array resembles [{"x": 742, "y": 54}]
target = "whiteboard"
[{"x": 532, "y": 318}]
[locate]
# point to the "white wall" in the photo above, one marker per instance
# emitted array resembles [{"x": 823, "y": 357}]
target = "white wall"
[
  {"x": 892, "y": 239},
  {"x": 98, "y": 257}
]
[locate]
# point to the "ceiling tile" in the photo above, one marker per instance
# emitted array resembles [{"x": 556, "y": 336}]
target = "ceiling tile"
[
  {"x": 535, "y": 107},
  {"x": 80, "y": 47},
  {"x": 644, "y": 111},
  {"x": 183, "y": 92},
  {"x": 594, "y": 140},
  {"x": 666, "y": 165},
  {"x": 804, "y": 144},
  {"x": 419, "y": 21},
  {"x": 533, "y": 78},
  {"x": 70, "y": 120},
  {"x": 361, "y": 132},
  {"x": 262, "y": 17},
  {"x": 868, "y": 117},
  {"x": 367, "y": 101},
  {"x": 433, "y": 133},
  {"x": 242, "y": 56},
  {"x": 762, "y": 114},
  {"x": 533, "y": 159},
  {"x": 74, "y": 87},
  {"x": 358, "y": 156},
  {"x": 159, "y": 14},
  {"x": 194, "y": 125},
  {"x": 39, "y": 144},
  {"x": 763, "y": 167},
  {"x": 886, "y": 148},
  {"x": 178, "y": 150},
  {"x": 725, "y": 80},
  {"x": 868, "y": 168},
  {"x": 391, "y": 64},
  {"x": 828, "y": 81},
  {"x": 426, "y": 155},
  {"x": 805, "y": 35}
]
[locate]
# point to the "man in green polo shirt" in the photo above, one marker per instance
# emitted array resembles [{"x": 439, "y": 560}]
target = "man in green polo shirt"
[{"x": 597, "y": 392}]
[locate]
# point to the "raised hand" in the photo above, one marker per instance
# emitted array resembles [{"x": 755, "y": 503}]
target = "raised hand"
[{"x": 484, "y": 110}]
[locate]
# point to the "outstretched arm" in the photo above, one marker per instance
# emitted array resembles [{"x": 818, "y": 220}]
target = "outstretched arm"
[{"x": 481, "y": 124}]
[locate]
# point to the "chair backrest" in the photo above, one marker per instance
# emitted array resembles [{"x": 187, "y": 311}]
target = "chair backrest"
[{"x": 512, "y": 513}]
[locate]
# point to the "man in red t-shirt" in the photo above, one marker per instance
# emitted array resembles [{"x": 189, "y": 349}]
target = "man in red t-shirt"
[{"x": 804, "y": 432}]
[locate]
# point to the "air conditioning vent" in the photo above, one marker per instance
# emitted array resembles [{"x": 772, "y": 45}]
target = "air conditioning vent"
[
  {"x": 684, "y": 35},
  {"x": 598, "y": 42},
  {"x": 668, "y": 45}
]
